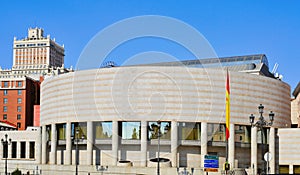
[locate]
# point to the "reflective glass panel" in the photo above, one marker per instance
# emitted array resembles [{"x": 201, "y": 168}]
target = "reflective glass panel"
[
  {"x": 165, "y": 130},
  {"x": 131, "y": 130},
  {"x": 103, "y": 130}
]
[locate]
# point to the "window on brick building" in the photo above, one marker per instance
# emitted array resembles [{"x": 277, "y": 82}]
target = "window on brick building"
[
  {"x": 18, "y": 116},
  {"x": 5, "y": 92},
  {"x": 4, "y": 116},
  {"x": 19, "y": 100},
  {"x": 19, "y": 92},
  {"x": 5, "y": 100},
  {"x": 19, "y": 83},
  {"x": 4, "y": 108},
  {"x": 5, "y": 83},
  {"x": 18, "y": 125},
  {"x": 19, "y": 109}
]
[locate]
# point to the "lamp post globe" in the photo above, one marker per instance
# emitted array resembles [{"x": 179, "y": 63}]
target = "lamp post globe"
[
  {"x": 261, "y": 123},
  {"x": 5, "y": 142}
]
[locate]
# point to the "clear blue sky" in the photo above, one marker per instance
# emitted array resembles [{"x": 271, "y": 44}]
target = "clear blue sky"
[{"x": 232, "y": 27}]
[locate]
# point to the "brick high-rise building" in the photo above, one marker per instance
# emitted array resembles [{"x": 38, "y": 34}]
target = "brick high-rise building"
[{"x": 18, "y": 96}]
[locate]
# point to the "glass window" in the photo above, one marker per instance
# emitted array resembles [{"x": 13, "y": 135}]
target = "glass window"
[
  {"x": 5, "y": 92},
  {"x": 18, "y": 125},
  {"x": 19, "y": 92},
  {"x": 189, "y": 131},
  {"x": 296, "y": 169},
  {"x": 242, "y": 133},
  {"x": 19, "y": 100},
  {"x": 13, "y": 149},
  {"x": 31, "y": 150},
  {"x": 216, "y": 132},
  {"x": 5, "y": 83},
  {"x": 103, "y": 130},
  {"x": 19, "y": 83},
  {"x": 5, "y": 151},
  {"x": 61, "y": 128},
  {"x": 262, "y": 136},
  {"x": 4, "y": 116},
  {"x": 19, "y": 108},
  {"x": 131, "y": 130},
  {"x": 81, "y": 127},
  {"x": 5, "y": 100},
  {"x": 23, "y": 149},
  {"x": 48, "y": 128},
  {"x": 165, "y": 130},
  {"x": 284, "y": 169},
  {"x": 4, "y": 108},
  {"x": 18, "y": 116}
]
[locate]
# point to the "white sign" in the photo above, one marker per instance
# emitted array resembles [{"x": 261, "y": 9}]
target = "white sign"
[{"x": 268, "y": 156}]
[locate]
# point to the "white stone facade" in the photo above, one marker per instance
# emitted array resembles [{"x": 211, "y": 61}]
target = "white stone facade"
[{"x": 175, "y": 95}]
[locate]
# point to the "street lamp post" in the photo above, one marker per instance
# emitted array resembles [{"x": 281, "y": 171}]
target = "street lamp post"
[
  {"x": 158, "y": 147},
  {"x": 261, "y": 123},
  {"x": 5, "y": 144},
  {"x": 156, "y": 130},
  {"x": 76, "y": 140}
]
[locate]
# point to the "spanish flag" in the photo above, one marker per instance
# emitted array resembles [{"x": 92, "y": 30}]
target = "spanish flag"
[{"x": 227, "y": 106}]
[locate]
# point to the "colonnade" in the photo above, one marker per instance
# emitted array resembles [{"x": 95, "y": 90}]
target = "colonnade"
[
  {"x": 15, "y": 152},
  {"x": 144, "y": 145}
]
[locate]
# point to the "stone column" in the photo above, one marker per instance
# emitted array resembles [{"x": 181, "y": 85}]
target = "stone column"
[
  {"x": 203, "y": 142},
  {"x": 115, "y": 142},
  {"x": 38, "y": 148},
  {"x": 53, "y": 144},
  {"x": 174, "y": 143},
  {"x": 291, "y": 169},
  {"x": 254, "y": 149},
  {"x": 18, "y": 150},
  {"x": 9, "y": 151},
  {"x": 27, "y": 152},
  {"x": 144, "y": 143},
  {"x": 44, "y": 144},
  {"x": 2, "y": 148},
  {"x": 231, "y": 146},
  {"x": 68, "y": 145},
  {"x": 89, "y": 143},
  {"x": 272, "y": 150}
]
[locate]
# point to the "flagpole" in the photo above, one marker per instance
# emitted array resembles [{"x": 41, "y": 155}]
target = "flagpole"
[
  {"x": 226, "y": 160},
  {"x": 227, "y": 125}
]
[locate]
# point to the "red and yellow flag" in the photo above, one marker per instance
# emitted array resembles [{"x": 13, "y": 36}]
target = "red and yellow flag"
[{"x": 227, "y": 106}]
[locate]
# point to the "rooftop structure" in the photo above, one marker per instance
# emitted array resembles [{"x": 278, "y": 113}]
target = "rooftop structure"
[
  {"x": 34, "y": 57},
  {"x": 254, "y": 64},
  {"x": 37, "y": 55}
]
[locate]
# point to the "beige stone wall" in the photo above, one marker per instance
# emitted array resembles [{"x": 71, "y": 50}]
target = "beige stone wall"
[
  {"x": 161, "y": 93},
  {"x": 295, "y": 110},
  {"x": 289, "y": 141},
  {"x": 32, "y": 134}
]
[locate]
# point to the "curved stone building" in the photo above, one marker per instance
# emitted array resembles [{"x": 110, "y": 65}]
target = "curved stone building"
[{"x": 116, "y": 112}]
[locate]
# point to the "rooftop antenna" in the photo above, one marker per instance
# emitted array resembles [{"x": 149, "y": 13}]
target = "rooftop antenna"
[{"x": 275, "y": 68}]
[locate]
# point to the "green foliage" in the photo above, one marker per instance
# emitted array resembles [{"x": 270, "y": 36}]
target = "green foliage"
[
  {"x": 16, "y": 172},
  {"x": 134, "y": 134}
]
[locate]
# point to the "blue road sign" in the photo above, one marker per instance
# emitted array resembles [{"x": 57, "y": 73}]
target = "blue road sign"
[
  {"x": 211, "y": 157},
  {"x": 207, "y": 165},
  {"x": 211, "y": 161}
]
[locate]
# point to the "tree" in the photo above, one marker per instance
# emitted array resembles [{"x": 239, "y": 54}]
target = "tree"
[
  {"x": 134, "y": 134},
  {"x": 17, "y": 172}
]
